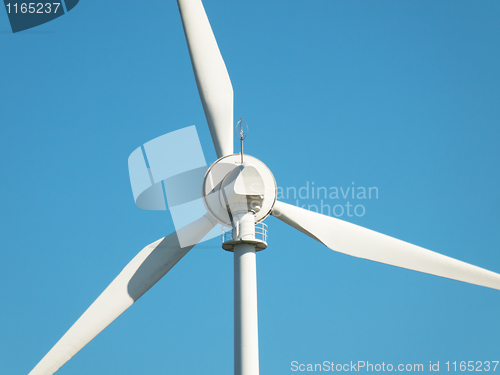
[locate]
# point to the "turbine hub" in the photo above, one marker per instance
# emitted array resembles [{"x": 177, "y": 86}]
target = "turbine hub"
[{"x": 232, "y": 189}]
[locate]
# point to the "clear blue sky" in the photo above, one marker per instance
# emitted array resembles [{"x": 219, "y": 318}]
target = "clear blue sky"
[{"x": 402, "y": 96}]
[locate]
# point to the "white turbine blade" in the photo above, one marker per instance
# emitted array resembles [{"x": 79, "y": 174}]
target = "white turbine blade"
[
  {"x": 364, "y": 243},
  {"x": 145, "y": 270},
  {"x": 211, "y": 75}
]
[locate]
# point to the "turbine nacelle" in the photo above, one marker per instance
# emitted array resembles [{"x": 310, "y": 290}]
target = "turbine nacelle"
[{"x": 232, "y": 189}]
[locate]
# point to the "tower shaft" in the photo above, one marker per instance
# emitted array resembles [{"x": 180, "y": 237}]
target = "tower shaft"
[{"x": 246, "y": 341}]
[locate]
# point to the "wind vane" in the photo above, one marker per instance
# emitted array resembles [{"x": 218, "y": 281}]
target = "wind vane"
[{"x": 242, "y": 131}]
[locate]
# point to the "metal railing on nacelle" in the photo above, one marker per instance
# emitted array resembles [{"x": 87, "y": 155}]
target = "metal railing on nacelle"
[{"x": 260, "y": 233}]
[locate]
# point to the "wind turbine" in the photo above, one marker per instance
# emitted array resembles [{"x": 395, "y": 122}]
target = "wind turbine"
[{"x": 241, "y": 195}]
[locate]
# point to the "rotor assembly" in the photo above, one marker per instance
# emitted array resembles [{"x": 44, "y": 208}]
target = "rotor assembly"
[{"x": 239, "y": 192}]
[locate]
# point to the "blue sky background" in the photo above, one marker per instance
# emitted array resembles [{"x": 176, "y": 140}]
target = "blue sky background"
[{"x": 403, "y": 96}]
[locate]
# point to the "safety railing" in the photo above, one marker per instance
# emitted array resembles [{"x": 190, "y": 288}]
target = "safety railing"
[{"x": 260, "y": 233}]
